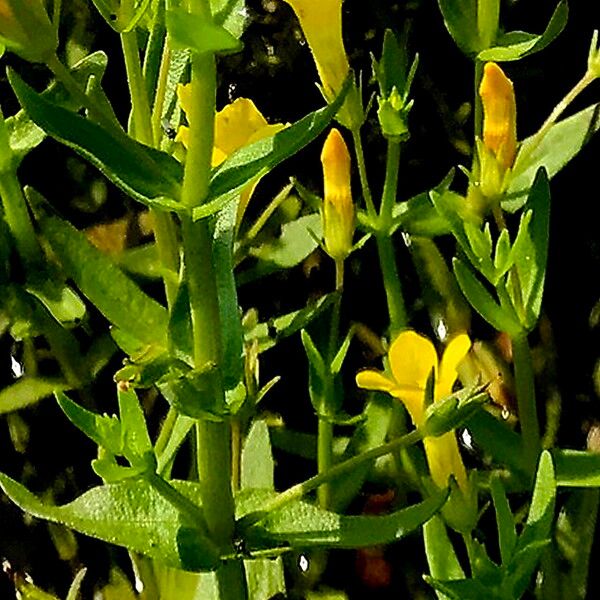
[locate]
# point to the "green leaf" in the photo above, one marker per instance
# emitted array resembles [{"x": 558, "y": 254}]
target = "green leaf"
[
  {"x": 530, "y": 257},
  {"x": 265, "y": 578},
  {"x": 259, "y": 158},
  {"x": 369, "y": 434},
  {"x": 500, "y": 442},
  {"x": 116, "y": 296},
  {"x": 314, "y": 356},
  {"x": 441, "y": 557},
  {"x": 24, "y": 134},
  {"x": 268, "y": 334},
  {"x": 481, "y": 300},
  {"x": 465, "y": 589},
  {"x": 199, "y": 33},
  {"x": 136, "y": 439},
  {"x": 229, "y": 308},
  {"x": 105, "y": 430},
  {"x": 518, "y": 44},
  {"x": 147, "y": 175},
  {"x": 130, "y": 514},
  {"x": 257, "y": 459},
  {"x": 507, "y": 535},
  {"x": 27, "y": 391},
  {"x": 576, "y": 468},
  {"x": 305, "y": 525},
  {"x": 563, "y": 142},
  {"x": 537, "y": 531},
  {"x": 296, "y": 242},
  {"x": 460, "y": 17}
]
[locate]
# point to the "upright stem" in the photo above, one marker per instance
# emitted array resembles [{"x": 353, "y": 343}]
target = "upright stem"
[
  {"x": 525, "y": 389},
  {"x": 362, "y": 171},
  {"x": 385, "y": 247},
  {"x": 164, "y": 229},
  {"x": 325, "y": 435},
  {"x": 213, "y": 438}
]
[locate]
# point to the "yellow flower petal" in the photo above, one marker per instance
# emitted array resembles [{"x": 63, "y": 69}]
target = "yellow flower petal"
[
  {"x": 412, "y": 357},
  {"x": 499, "y": 114},
  {"x": 236, "y": 123},
  {"x": 456, "y": 350},
  {"x": 374, "y": 380}
]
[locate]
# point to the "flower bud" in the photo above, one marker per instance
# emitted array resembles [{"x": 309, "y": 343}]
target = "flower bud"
[
  {"x": 338, "y": 210},
  {"x": 25, "y": 29},
  {"x": 499, "y": 115}
]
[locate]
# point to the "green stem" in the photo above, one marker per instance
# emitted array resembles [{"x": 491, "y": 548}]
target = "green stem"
[
  {"x": 554, "y": 115},
  {"x": 140, "y": 107},
  {"x": 161, "y": 89},
  {"x": 392, "y": 284},
  {"x": 390, "y": 185},
  {"x": 213, "y": 438},
  {"x": 301, "y": 489},
  {"x": 525, "y": 390},
  {"x": 18, "y": 219},
  {"x": 362, "y": 171},
  {"x": 164, "y": 229}
]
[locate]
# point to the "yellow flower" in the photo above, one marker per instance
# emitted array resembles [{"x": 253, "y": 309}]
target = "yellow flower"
[
  {"x": 321, "y": 23},
  {"x": 338, "y": 209},
  {"x": 238, "y": 124},
  {"x": 499, "y": 115},
  {"x": 412, "y": 358},
  {"x": 26, "y": 29}
]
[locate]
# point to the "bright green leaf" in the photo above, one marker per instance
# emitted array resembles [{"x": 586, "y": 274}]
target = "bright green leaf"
[
  {"x": 130, "y": 514},
  {"x": 576, "y": 468},
  {"x": 460, "y": 17},
  {"x": 518, "y": 44},
  {"x": 27, "y": 391},
  {"x": 481, "y": 300},
  {"x": 563, "y": 142},
  {"x": 507, "y": 535},
  {"x": 305, "y": 525},
  {"x": 257, "y": 459},
  {"x": 147, "y": 175},
  {"x": 116, "y": 296}
]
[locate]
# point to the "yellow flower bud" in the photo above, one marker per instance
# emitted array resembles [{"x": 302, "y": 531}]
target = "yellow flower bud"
[
  {"x": 499, "y": 115},
  {"x": 321, "y": 22},
  {"x": 25, "y": 29},
  {"x": 338, "y": 209}
]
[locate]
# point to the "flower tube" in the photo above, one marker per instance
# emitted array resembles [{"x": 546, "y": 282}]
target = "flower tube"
[
  {"x": 338, "y": 210},
  {"x": 321, "y": 23},
  {"x": 411, "y": 359}
]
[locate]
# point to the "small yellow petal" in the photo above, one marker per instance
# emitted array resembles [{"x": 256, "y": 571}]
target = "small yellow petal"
[
  {"x": 374, "y": 380},
  {"x": 412, "y": 357},
  {"x": 455, "y": 352},
  {"x": 499, "y": 114}
]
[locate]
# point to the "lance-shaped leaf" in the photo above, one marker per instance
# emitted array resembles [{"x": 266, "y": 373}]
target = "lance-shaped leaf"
[
  {"x": 116, "y": 296},
  {"x": 460, "y": 17},
  {"x": 130, "y": 514},
  {"x": 147, "y": 175},
  {"x": 481, "y": 300},
  {"x": 27, "y": 391},
  {"x": 303, "y": 524},
  {"x": 518, "y": 44},
  {"x": 562, "y": 143}
]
